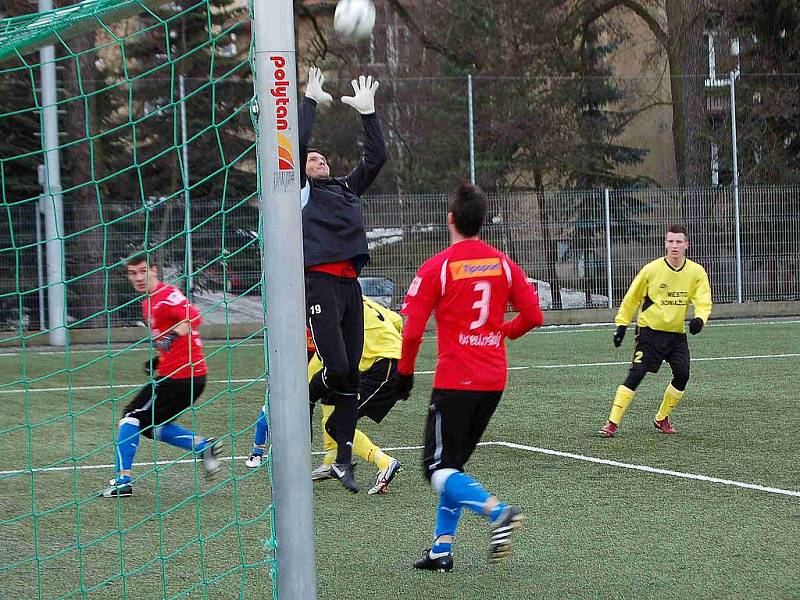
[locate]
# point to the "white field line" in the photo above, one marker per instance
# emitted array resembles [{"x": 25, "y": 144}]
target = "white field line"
[
  {"x": 646, "y": 469},
  {"x": 511, "y": 445},
  {"x": 518, "y": 368},
  {"x": 576, "y": 328},
  {"x": 694, "y": 359},
  {"x": 105, "y": 387}
]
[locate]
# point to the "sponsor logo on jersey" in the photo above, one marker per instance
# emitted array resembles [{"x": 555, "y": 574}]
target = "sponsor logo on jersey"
[
  {"x": 476, "y": 267},
  {"x": 481, "y": 340}
]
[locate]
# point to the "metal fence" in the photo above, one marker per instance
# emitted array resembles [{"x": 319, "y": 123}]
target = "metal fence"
[
  {"x": 586, "y": 244},
  {"x": 590, "y": 244}
]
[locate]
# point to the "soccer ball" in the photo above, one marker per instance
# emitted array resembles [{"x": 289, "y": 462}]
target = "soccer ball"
[{"x": 354, "y": 19}]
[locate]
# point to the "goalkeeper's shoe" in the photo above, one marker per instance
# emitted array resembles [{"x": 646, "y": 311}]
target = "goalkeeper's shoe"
[
  {"x": 254, "y": 461},
  {"x": 384, "y": 477},
  {"x": 664, "y": 426},
  {"x": 608, "y": 430},
  {"x": 117, "y": 490},
  {"x": 500, "y": 541},
  {"x": 442, "y": 564},
  {"x": 209, "y": 456},
  {"x": 346, "y": 476},
  {"x": 321, "y": 472}
]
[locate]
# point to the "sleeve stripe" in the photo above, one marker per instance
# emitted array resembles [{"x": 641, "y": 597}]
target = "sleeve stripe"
[{"x": 507, "y": 269}]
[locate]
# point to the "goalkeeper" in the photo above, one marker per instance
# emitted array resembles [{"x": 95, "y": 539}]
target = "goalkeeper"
[
  {"x": 334, "y": 252},
  {"x": 662, "y": 291}
]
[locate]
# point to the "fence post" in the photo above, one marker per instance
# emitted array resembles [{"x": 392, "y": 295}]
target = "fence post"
[
  {"x": 187, "y": 212},
  {"x": 607, "y": 202},
  {"x": 471, "y": 130},
  {"x": 737, "y": 223}
]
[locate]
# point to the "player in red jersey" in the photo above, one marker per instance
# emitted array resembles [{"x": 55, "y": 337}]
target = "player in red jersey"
[
  {"x": 468, "y": 286},
  {"x": 178, "y": 376}
]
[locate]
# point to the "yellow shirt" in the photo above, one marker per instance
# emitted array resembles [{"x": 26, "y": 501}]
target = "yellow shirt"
[
  {"x": 663, "y": 295},
  {"x": 382, "y": 337}
]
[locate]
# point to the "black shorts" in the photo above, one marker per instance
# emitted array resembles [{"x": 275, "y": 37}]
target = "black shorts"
[
  {"x": 161, "y": 402},
  {"x": 655, "y": 347},
  {"x": 456, "y": 422},
  {"x": 378, "y": 389},
  {"x": 336, "y": 320}
]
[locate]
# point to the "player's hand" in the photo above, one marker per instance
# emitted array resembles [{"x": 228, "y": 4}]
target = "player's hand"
[
  {"x": 619, "y": 335},
  {"x": 182, "y": 328},
  {"x": 364, "y": 99},
  {"x": 696, "y": 325},
  {"x": 150, "y": 366},
  {"x": 405, "y": 383},
  {"x": 165, "y": 342},
  {"x": 314, "y": 87}
]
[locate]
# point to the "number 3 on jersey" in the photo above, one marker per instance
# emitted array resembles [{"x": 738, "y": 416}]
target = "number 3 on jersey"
[{"x": 482, "y": 304}]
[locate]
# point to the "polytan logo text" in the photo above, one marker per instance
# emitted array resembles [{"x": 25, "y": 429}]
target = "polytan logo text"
[
  {"x": 478, "y": 267},
  {"x": 280, "y": 92}
]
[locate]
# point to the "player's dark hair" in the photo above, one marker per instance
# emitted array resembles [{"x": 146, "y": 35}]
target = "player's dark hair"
[
  {"x": 142, "y": 257},
  {"x": 317, "y": 151},
  {"x": 468, "y": 206},
  {"x": 678, "y": 229}
]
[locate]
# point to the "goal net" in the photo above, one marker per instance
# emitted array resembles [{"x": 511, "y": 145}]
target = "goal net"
[{"x": 153, "y": 151}]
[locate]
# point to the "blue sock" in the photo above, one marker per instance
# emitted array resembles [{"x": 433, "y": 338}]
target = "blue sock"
[
  {"x": 175, "y": 435},
  {"x": 447, "y": 515},
  {"x": 497, "y": 511},
  {"x": 464, "y": 491},
  {"x": 262, "y": 429},
  {"x": 127, "y": 443}
]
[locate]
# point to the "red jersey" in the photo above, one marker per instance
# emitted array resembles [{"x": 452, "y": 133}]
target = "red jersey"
[
  {"x": 468, "y": 286},
  {"x": 163, "y": 308}
]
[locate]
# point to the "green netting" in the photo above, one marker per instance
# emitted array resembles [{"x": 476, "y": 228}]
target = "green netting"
[
  {"x": 25, "y": 33},
  {"x": 157, "y": 150}
]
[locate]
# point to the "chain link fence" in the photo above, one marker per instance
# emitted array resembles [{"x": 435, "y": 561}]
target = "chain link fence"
[{"x": 586, "y": 244}]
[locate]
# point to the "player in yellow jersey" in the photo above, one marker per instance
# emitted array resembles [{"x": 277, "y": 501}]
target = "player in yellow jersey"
[{"x": 662, "y": 292}]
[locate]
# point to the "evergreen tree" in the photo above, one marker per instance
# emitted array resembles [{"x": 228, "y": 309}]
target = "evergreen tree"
[{"x": 207, "y": 45}]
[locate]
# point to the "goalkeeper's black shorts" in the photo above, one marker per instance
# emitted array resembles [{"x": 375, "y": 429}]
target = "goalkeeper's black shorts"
[
  {"x": 163, "y": 400},
  {"x": 456, "y": 422}
]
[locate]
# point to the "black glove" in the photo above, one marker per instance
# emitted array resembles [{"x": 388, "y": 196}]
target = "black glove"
[
  {"x": 695, "y": 325},
  {"x": 165, "y": 343},
  {"x": 619, "y": 335},
  {"x": 150, "y": 366},
  {"x": 404, "y": 385}
]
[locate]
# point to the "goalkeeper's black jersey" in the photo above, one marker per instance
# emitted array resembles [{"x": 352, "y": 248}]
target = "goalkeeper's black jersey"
[{"x": 333, "y": 219}]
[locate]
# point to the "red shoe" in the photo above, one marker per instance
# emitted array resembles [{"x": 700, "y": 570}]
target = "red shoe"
[
  {"x": 664, "y": 426},
  {"x": 608, "y": 430}
]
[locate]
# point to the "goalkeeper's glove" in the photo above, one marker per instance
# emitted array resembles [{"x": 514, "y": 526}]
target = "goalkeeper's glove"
[
  {"x": 404, "y": 385},
  {"x": 619, "y": 335},
  {"x": 314, "y": 87},
  {"x": 696, "y": 325},
  {"x": 164, "y": 343},
  {"x": 364, "y": 99},
  {"x": 150, "y": 366}
]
